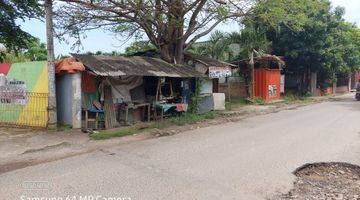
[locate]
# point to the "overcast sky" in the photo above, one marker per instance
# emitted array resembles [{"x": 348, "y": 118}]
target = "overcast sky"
[{"x": 102, "y": 41}]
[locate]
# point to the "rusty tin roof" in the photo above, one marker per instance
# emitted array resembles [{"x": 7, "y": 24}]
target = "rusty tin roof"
[
  {"x": 207, "y": 61},
  {"x": 134, "y": 66}
]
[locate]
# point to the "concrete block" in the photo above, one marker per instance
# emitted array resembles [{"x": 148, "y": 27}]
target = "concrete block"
[{"x": 219, "y": 101}]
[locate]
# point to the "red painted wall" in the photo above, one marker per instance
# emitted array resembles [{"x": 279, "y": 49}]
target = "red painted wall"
[
  {"x": 4, "y": 68},
  {"x": 357, "y": 78},
  {"x": 267, "y": 84}
]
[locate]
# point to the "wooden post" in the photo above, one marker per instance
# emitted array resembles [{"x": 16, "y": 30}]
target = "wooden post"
[
  {"x": 127, "y": 115},
  {"x": 51, "y": 65},
  {"x": 229, "y": 91},
  {"x": 228, "y": 88},
  {"x": 313, "y": 83},
  {"x": 162, "y": 114},
  {"x": 157, "y": 90},
  {"x": 96, "y": 121},
  {"x": 349, "y": 82},
  {"x": 334, "y": 86},
  {"x": 86, "y": 119}
]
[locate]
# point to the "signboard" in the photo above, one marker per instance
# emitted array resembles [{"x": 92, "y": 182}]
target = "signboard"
[
  {"x": 12, "y": 91},
  {"x": 272, "y": 91},
  {"x": 219, "y": 72}
]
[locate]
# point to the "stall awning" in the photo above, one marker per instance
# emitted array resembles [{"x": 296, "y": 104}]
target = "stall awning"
[
  {"x": 134, "y": 66},
  {"x": 207, "y": 61}
]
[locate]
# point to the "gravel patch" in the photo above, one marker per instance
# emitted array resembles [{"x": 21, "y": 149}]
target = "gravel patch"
[{"x": 335, "y": 181}]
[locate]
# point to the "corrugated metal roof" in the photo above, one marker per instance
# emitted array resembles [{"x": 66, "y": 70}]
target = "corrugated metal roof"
[
  {"x": 134, "y": 66},
  {"x": 209, "y": 62}
]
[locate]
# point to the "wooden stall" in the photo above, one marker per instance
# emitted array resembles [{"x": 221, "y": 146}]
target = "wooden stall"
[{"x": 118, "y": 91}]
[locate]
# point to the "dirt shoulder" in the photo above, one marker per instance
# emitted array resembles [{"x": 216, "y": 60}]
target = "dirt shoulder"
[{"x": 22, "y": 148}]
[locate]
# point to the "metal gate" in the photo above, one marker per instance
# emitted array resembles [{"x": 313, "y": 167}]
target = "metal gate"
[{"x": 23, "y": 109}]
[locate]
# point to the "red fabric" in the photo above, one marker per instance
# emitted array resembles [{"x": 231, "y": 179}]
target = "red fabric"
[
  {"x": 88, "y": 83},
  {"x": 181, "y": 107},
  {"x": 4, "y": 68},
  {"x": 357, "y": 77},
  {"x": 69, "y": 65}
]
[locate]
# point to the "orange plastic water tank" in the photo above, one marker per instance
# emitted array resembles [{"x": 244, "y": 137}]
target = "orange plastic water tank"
[{"x": 267, "y": 83}]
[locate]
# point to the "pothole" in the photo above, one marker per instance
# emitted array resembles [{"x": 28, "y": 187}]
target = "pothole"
[{"x": 325, "y": 181}]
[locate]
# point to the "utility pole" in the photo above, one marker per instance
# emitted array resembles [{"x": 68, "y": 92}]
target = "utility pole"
[{"x": 51, "y": 64}]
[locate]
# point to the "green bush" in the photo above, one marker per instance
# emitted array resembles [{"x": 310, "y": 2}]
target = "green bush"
[{"x": 256, "y": 101}]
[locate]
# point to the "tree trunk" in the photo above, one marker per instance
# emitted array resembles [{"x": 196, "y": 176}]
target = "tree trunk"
[
  {"x": 172, "y": 50},
  {"x": 334, "y": 86},
  {"x": 334, "y": 83},
  {"x": 252, "y": 71},
  {"x": 173, "y": 53},
  {"x": 349, "y": 82},
  {"x": 313, "y": 83},
  {"x": 51, "y": 66},
  {"x": 305, "y": 82},
  {"x": 179, "y": 52}
]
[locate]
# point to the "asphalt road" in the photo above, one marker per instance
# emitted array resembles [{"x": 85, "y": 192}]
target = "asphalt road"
[{"x": 250, "y": 159}]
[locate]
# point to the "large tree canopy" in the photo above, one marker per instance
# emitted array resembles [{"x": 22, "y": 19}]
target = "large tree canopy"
[
  {"x": 11, "y": 35},
  {"x": 170, "y": 25},
  {"x": 217, "y": 47},
  {"x": 312, "y": 35}
]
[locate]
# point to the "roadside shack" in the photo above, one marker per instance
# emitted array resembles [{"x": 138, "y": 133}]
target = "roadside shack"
[
  {"x": 268, "y": 80},
  {"x": 211, "y": 90},
  {"x": 117, "y": 91},
  {"x": 213, "y": 70}
]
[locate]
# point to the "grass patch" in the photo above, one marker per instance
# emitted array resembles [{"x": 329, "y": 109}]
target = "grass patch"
[
  {"x": 256, "y": 101},
  {"x": 235, "y": 103},
  {"x": 161, "y": 124},
  {"x": 186, "y": 118},
  {"x": 103, "y": 135},
  {"x": 60, "y": 128},
  {"x": 293, "y": 98},
  {"x": 181, "y": 120},
  {"x": 290, "y": 97},
  {"x": 190, "y": 118}
]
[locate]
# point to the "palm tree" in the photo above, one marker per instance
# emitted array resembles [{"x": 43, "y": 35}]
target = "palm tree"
[
  {"x": 51, "y": 65},
  {"x": 216, "y": 47},
  {"x": 252, "y": 42}
]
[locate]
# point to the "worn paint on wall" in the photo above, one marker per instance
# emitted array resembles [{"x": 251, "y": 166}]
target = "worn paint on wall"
[{"x": 27, "y": 84}]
